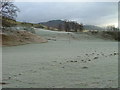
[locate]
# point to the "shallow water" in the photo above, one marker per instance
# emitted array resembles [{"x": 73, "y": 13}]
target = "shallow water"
[{"x": 61, "y": 64}]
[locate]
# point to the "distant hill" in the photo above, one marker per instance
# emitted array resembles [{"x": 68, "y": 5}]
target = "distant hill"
[
  {"x": 53, "y": 23},
  {"x": 92, "y": 27},
  {"x": 56, "y": 23}
]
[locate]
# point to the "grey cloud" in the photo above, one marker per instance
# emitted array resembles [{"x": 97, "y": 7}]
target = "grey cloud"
[{"x": 87, "y": 12}]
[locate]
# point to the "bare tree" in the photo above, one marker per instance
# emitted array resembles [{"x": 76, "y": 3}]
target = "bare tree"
[
  {"x": 8, "y": 9},
  {"x": 66, "y": 26},
  {"x": 81, "y": 27},
  {"x": 111, "y": 28}
]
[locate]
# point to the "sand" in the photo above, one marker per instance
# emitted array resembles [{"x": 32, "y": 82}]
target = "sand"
[
  {"x": 65, "y": 61},
  {"x": 21, "y": 37}
]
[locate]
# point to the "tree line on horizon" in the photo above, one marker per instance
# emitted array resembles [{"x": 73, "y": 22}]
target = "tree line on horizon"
[
  {"x": 69, "y": 26},
  {"x": 72, "y": 26}
]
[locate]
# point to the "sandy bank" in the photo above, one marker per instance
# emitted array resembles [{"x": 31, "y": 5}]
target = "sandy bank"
[{"x": 12, "y": 38}]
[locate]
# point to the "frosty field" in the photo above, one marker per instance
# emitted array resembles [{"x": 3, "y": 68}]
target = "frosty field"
[{"x": 65, "y": 61}]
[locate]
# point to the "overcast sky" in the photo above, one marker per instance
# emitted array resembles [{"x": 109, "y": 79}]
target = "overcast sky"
[{"x": 94, "y": 13}]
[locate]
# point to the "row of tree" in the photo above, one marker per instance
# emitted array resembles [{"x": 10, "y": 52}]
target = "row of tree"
[
  {"x": 112, "y": 28},
  {"x": 69, "y": 26}
]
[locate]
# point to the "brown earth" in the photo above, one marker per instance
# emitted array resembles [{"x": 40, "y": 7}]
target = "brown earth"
[{"x": 12, "y": 38}]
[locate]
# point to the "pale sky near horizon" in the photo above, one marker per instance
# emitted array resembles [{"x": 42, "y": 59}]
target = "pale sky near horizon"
[{"x": 93, "y": 13}]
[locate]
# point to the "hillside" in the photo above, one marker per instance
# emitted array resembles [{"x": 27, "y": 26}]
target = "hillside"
[
  {"x": 92, "y": 27},
  {"x": 56, "y": 23},
  {"x": 53, "y": 23},
  {"x": 6, "y": 22}
]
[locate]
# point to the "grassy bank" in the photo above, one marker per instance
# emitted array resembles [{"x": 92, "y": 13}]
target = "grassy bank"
[
  {"x": 107, "y": 34},
  {"x": 6, "y": 22}
]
